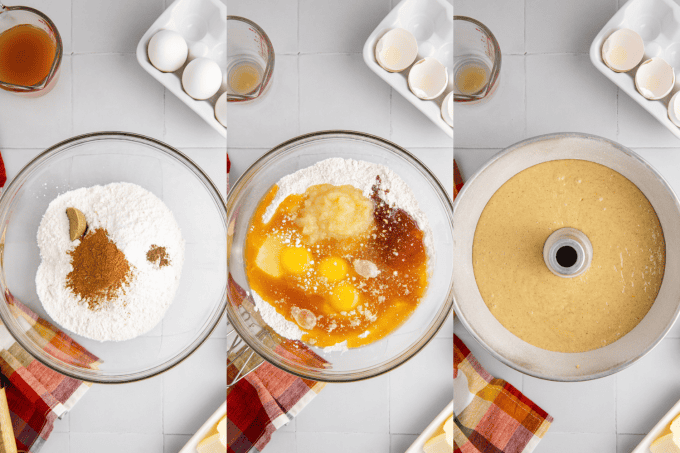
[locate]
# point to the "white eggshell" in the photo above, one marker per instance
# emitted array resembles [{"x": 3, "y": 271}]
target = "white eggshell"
[
  {"x": 623, "y": 50},
  {"x": 655, "y": 78},
  {"x": 447, "y": 109},
  {"x": 202, "y": 78},
  {"x": 428, "y": 78},
  {"x": 674, "y": 109},
  {"x": 221, "y": 109},
  {"x": 167, "y": 50},
  {"x": 396, "y": 50}
]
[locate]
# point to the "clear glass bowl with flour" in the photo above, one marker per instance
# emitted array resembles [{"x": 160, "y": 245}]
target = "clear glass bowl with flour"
[
  {"x": 411, "y": 336},
  {"x": 200, "y": 214}
]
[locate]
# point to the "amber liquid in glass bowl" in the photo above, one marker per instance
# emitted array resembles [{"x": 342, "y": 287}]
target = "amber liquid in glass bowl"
[{"x": 26, "y": 55}]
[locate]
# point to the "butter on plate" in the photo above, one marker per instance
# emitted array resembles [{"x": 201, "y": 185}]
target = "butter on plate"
[
  {"x": 216, "y": 439},
  {"x": 442, "y": 440},
  {"x": 669, "y": 439}
]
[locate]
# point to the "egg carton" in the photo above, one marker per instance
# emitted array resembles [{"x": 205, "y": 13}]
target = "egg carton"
[
  {"x": 658, "y": 23},
  {"x": 203, "y": 24},
  {"x": 431, "y": 22}
]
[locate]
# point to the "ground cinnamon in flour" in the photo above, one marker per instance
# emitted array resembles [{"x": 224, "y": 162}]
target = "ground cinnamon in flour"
[
  {"x": 158, "y": 255},
  {"x": 100, "y": 269}
]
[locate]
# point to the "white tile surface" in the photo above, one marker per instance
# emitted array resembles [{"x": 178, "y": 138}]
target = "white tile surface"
[
  {"x": 184, "y": 128},
  {"x": 470, "y": 160},
  {"x": 400, "y": 442},
  {"x": 558, "y": 26},
  {"x": 195, "y": 389},
  {"x": 21, "y": 118},
  {"x": 504, "y": 19},
  {"x": 172, "y": 443},
  {"x": 341, "y": 92},
  {"x": 278, "y": 18},
  {"x": 568, "y": 94},
  {"x": 411, "y": 128},
  {"x": 419, "y": 392},
  {"x": 647, "y": 390},
  {"x": 581, "y": 443},
  {"x": 637, "y": 128},
  {"x": 274, "y": 118},
  {"x": 342, "y": 442},
  {"x": 499, "y": 122},
  {"x": 116, "y": 443},
  {"x": 578, "y": 407},
  {"x": 353, "y": 407},
  {"x": 58, "y": 443},
  {"x": 138, "y": 408},
  {"x": 104, "y": 26},
  {"x": 112, "y": 92},
  {"x": 283, "y": 442},
  {"x": 338, "y": 26},
  {"x": 625, "y": 443}
]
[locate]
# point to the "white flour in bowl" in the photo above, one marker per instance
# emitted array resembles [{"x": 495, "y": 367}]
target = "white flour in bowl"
[{"x": 135, "y": 220}]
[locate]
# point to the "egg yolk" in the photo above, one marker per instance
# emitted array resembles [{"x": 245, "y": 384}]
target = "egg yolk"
[
  {"x": 295, "y": 260},
  {"x": 344, "y": 297},
  {"x": 334, "y": 269}
]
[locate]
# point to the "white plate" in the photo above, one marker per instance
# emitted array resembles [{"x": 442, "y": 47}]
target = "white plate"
[
  {"x": 190, "y": 446},
  {"x": 203, "y": 23},
  {"x": 658, "y": 23},
  {"x": 417, "y": 445},
  {"x": 431, "y": 22},
  {"x": 643, "y": 447}
]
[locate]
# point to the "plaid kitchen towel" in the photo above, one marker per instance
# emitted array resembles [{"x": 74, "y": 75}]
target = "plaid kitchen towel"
[
  {"x": 267, "y": 398},
  {"x": 457, "y": 179},
  {"x": 499, "y": 419},
  {"x": 37, "y": 395}
]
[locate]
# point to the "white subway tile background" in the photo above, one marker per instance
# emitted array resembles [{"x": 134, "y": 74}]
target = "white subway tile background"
[
  {"x": 549, "y": 85},
  {"x": 103, "y": 88},
  {"x": 321, "y": 82}
]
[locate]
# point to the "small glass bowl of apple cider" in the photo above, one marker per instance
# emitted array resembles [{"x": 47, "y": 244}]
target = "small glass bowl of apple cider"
[
  {"x": 476, "y": 61},
  {"x": 250, "y": 60},
  {"x": 30, "y": 51}
]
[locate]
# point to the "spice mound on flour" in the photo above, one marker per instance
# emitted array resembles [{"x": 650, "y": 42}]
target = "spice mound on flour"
[
  {"x": 117, "y": 279},
  {"x": 158, "y": 255},
  {"x": 338, "y": 254},
  {"x": 100, "y": 270}
]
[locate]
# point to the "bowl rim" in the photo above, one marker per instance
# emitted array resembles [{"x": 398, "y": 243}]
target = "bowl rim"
[
  {"x": 87, "y": 374},
  {"x": 445, "y": 308},
  {"x": 461, "y": 195}
]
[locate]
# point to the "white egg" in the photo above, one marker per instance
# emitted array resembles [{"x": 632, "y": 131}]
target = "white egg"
[
  {"x": 447, "y": 109},
  {"x": 167, "y": 50},
  {"x": 221, "y": 109},
  {"x": 202, "y": 78},
  {"x": 655, "y": 78},
  {"x": 674, "y": 109},
  {"x": 428, "y": 78},
  {"x": 623, "y": 50},
  {"x": 396, "y": 50}
]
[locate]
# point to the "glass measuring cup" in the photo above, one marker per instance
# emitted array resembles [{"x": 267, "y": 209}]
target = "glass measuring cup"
[
  {"x": 476, "y": 61},
  {"x": 15, "y": 16},
  {"x": 250, "y": 60}
]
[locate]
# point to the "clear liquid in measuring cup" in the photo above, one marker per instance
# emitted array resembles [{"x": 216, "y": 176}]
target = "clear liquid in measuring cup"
[
  {"x": 471, "y": 76},
  {"x": 244, "y": 76}
]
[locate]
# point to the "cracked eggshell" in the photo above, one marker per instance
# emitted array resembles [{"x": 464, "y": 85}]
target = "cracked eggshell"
[
  {"x": 428, "y": 78},
  {"x": 623, "y": 50},
  {"x": 447, "y": 109},
  {"x": 396, "y": 50},
  {"x": 674, "y": 109},
  {"x": 655, "y": 78}
]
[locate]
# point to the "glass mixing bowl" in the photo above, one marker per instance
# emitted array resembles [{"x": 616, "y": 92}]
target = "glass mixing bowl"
[
  {"x": 403, "y": 343},
  {"x": 199, "y": 209}
]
